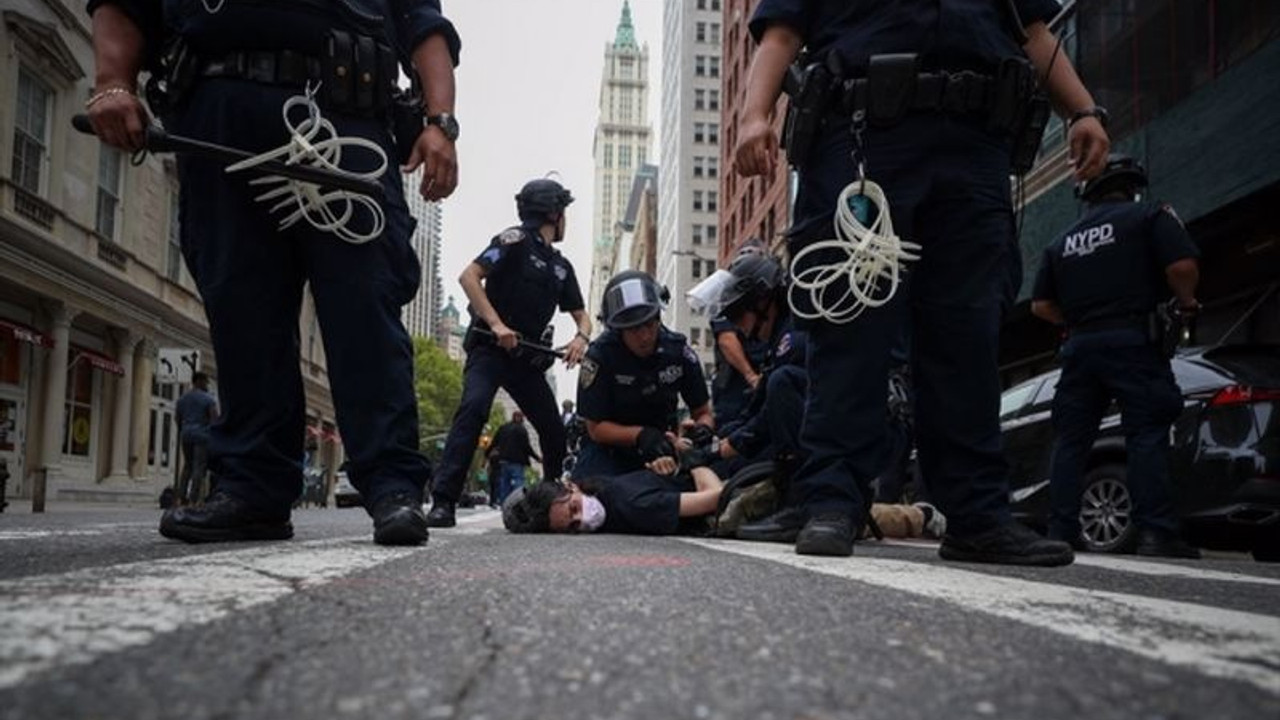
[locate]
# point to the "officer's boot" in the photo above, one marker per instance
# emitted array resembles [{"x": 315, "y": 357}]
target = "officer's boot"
[{"x": 443, "y": 514}]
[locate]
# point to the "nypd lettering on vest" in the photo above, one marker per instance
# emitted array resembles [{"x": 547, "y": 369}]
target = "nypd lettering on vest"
[{"x": 1086, "y": 241}]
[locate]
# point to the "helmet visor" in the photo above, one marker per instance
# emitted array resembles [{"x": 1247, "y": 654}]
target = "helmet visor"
[{"x": 631, "y": 302}]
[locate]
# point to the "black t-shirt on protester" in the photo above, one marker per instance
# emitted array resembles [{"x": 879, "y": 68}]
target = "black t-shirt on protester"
[
  {"x": 642, "y": 503},
  {"x": 525, "y": 280},
  {"x": 1110, "y": 264}
]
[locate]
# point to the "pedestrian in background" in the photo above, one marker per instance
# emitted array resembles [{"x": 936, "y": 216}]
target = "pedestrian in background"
[
  {"x": 512, "y": 450},
  {"x": 195, "y": 412},
  {"x": 1102, "y": 279}
]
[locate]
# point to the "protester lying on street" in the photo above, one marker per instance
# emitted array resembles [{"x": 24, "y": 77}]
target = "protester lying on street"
[{"x": 661, "y": 500}]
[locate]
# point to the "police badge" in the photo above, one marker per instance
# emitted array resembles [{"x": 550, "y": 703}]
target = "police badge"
[
  {"x": 510, "y": 236},
  {"x": 587, "y": 374}
]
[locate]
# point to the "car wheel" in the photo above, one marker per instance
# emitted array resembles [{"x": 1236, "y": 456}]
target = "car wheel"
[{"x": 1106, "y": 511}]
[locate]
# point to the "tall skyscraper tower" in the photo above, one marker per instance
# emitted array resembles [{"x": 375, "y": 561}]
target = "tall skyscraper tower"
[
  {"x": 420, "y": 315},
  {"x": 621, "y": 145},
  {"x": 689, "y": 184}
]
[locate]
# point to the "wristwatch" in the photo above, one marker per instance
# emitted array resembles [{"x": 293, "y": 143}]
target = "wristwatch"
[
  {"x": 447, "y": 123},
  {"x": 1097, "y": 111}
]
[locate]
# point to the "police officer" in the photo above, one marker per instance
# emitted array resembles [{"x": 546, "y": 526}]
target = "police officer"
[
  {"x": 242, "y": 62},
  {"x": 631, "y": 382},
  {"x": 1102, "y": 279},
  {"x": 933, "y": 131},
  {"x": 738, "y": 360},
  {"x": 514, "y": 287}
]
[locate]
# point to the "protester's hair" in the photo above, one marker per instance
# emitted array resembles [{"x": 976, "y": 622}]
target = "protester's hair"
[
  {"x": 199, "y": 377},
  {"x": 531, "y": 513}
]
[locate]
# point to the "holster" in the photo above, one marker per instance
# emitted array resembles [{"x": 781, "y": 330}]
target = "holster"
[
  {"x": 1165, "y": 327},
  {"x": 406, "y": 122},
  {"x": 810, "y": 91},
  {"x": 1021, "y": 109},
  {"x": 891, "y": 83},
  {"x": 172, "y": 79}
]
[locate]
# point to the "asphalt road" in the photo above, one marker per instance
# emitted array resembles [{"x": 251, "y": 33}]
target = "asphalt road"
[{"x": 100, "y": 617}]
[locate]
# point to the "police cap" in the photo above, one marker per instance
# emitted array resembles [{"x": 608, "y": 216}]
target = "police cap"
[
  {"x": 631, "y": 298},
  {"x": 542, "y": 199},
  {"x": 1122, "y": 173}
]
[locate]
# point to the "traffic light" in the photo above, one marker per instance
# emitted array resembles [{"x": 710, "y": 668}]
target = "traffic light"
[{"x": 484, "y": 442}]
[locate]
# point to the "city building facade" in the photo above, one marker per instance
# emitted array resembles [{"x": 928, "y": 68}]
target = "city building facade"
[
  {"x": 689, "y": 187},
  {"x": 622, "y": 145},
  {"x": 420, "y": 314}
]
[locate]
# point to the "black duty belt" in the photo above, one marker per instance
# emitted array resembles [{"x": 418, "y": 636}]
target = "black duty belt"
[
  {"x": 956, "y": 93},
  {"x": 1129, "y": 322},
  {"x": 282, "y": 67}
]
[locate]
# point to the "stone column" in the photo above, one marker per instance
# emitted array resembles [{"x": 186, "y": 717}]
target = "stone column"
[
  {"x": 141, "y": 424},
  {"x": 122, "y": 416},
  {"x": 55, "y": 396}
]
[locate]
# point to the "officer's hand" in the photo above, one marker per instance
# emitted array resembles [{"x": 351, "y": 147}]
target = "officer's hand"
[
  {"x": 652, "y": 444},
  {"x": 438, "y": 153},
  {"x": 757, "y": 151},
  {"x": 506, "y": 338},
  {"x": 665, "y": 465},
  {"x": 753, "y": 380},
  {"x": 120, "y": 119},
  {"x": 1089, "y": 147},
  {"x": 575, "y": 351}
]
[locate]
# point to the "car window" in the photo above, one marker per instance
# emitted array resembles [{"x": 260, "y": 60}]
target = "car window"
[
  {"x": 1247, "y": 366},
  {"x": 1014, "y": 399},
  {"x": 1195, "y": 375},
  {"x": 1045, "y": 395}
]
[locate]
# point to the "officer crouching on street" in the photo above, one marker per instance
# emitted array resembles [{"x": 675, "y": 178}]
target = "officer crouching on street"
[
  {"x": 1103, "y": 279},
  {"x": 632, "y": 380},
  {"x": 514, "y": 287}
]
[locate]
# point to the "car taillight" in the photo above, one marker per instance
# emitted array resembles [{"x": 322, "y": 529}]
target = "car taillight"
[{"x": 1242, "y": 395}]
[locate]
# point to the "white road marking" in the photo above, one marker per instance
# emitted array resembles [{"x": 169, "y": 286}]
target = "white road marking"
[
  {"x": 75, "y": 617},
  {"x": 1223, "y": 643},
  {"x": 1132, "y": 565}
]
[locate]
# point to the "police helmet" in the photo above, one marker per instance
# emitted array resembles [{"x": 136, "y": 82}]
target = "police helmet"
[
  {"x": 542, "y": 199},
  {"x": 1122, "y": 173},
  {"x": 631, "y": 298},
  {"x": 755, "y": 277}
]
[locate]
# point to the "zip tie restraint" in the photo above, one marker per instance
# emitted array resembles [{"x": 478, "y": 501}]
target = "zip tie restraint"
[
  {"x": 873, "y": 259},
  {"x": 316, "y": 142}
]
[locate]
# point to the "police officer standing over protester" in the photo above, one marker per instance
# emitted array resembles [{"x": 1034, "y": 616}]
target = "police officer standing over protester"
[
  {"x": 228, "y": 71},
  {"x": 513, "y": 287},
  {"x": 632, "y": 380},
  {"x": 929, "y": 100},
  {"x": 1103, "y": 279}
]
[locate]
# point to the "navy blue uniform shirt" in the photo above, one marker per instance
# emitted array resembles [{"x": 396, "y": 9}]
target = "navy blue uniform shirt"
[
  {"x": 525, "y": 279},
  {"x": 616, "y": 386},
  {"x": 285, "y": 24},
  {"x": 1110, "y": 264},
  {"x": 948, "y": 34}
]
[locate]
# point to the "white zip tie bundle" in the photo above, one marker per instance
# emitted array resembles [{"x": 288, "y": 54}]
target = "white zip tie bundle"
[
  {"x": 873, "y": 260},
  {"x": 316, "y": 143}
]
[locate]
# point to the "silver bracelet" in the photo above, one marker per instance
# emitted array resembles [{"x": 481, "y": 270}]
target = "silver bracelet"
[{"x": 101, "y": 94}]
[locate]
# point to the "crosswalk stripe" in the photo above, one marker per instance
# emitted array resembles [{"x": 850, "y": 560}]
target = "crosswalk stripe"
[
  {"x": 1222, "y": 643},
  {"x": 1133, "y": 565},
  {"x": 75, "y": 617}
]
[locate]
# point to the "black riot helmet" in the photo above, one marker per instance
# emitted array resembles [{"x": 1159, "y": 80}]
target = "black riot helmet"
[
  {"x": 631, "y": 298},
  {"x": 756, "y": 278},
  {"x": 1122, "y": 174},
  {"x": 542, "y": 200}
]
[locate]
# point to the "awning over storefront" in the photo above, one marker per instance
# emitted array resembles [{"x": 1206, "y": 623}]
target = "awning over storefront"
[
  {"x": 25, "y": 333},
  {"x": 97, "y": 359}
]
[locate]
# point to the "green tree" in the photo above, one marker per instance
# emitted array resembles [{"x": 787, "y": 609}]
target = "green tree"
[{"x": 437, "y": 381}]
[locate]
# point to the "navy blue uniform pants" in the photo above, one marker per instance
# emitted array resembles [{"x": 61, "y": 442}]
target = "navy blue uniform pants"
[
  {"x": 251, "y": 276},
  {"x": 595, "y": 460},
  {"x": 1141, "y": 382},
  {"x": 947, "y": 182},
  {"x": 488, "y": 368}
]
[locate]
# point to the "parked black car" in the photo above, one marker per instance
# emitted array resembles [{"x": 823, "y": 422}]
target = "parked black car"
[{"x": 1225, "y": 461}]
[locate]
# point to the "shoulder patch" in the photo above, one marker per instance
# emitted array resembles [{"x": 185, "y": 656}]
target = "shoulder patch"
[
  {"x": 1166, "y": 207},
  {"x": 511, "y": 236},
  {"x": 587, "y": 373},
  {"x": 690, "y": 355}
]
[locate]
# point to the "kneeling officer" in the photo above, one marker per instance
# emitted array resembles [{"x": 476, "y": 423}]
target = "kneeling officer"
[{"x": 1102, "y": 279}]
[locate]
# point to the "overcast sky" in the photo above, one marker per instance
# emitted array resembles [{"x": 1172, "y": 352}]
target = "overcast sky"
[{"x": 528, "y": 95}]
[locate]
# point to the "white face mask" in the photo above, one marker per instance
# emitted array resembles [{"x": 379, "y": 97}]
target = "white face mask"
[{"x": 592, "y": 514}]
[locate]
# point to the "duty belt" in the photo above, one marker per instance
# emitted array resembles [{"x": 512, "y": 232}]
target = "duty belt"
[
  {"x": 955, "y": 93},
  {"x": 352, "y": 82},
  {"x": 1127, "y": 322},
  {"x": 281, "y": 67}
]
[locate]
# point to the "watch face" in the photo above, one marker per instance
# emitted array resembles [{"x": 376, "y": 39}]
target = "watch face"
[{"x": 447, "y": 123}]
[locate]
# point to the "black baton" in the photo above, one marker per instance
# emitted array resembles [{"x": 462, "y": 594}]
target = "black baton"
[
  {"x": 523, "y": 343},
  {"x": 159, "y": 141}
]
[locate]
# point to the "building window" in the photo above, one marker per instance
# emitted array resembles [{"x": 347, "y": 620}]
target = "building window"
[
  {"x": 702, "y": 4},
  {"x": 713, "y": 67},
  {"x": 700, "y": 65},
  {"x": 713, "y": 133},
  {"x": 174, "y": 270},
  {"x": 695, "y": 337},
  {"x": 108, "y": 191},
  {"x": 713, "y": 166},
  {"x": 697, "y": 234},
  {"x": 711, "y": 234},
  {"x": 30, "y": 131},
  {"x": 696, "y": 268},
  {"x": 700, "y": 32},
  {"x": 699, "y": 99},
  {"x": 698, "y": 166},
  {"x": 711, "y": 200},
  {"x": 699, "y": 132},
  {"x": 77, "y": 429},
  {"x": 714, "y": 34},
  {"x": 624, "y": 157},
  {"x": 697, "y": 200},
  {"x": 608, "y": 156},
  {"x": 715, "y": 4},
  {"x": 713, "y": 100}
]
